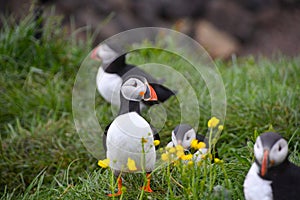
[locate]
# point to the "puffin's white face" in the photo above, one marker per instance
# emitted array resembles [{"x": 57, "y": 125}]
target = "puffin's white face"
[
  {"x": 187, "y": 138},
  {"x": 267, "y": 157},
  {"x": 104, "y": 53},
  {"x": 278, "y": 152},
  {"x": 135, "y": 90},
  {"x": 184, "y": 139}
]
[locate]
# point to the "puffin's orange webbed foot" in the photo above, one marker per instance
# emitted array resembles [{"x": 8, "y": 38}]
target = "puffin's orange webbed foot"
[
  {"x": 119, "y": 189},
  {"x": 147, "y": 187}
]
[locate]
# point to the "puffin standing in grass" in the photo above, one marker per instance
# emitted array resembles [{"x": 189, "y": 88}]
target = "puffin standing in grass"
[
  {"x": 272, "y": 176},
  {"x": 114, "y": 70},
  {"x": 129, "y": 138}
]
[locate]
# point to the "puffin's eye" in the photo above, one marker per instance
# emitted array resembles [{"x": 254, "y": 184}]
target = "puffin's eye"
[
  {"x": 134, "y": 84},
  {"x": 188, "y": 137},
  {"x": 279, "y": 148}
]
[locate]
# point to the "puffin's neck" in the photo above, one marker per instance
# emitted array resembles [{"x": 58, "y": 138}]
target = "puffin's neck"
[
  {"x": 128, "y": 106},
  {"x": 115, "y": 66},
  {"x": 273, "y": 171}
]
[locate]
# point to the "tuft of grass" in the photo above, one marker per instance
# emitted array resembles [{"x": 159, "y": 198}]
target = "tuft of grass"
[{"x": 42, "y": 157}]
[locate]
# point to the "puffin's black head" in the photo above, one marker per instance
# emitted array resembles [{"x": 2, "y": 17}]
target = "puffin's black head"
[
  {"x": 270, "y": 149},
  {"x": 183, "y": 134},
  {"x": 137, "y": 88}
]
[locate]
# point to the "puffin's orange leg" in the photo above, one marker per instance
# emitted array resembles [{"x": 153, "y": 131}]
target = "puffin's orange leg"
[
  {"x": 147, "y": 187},
  {"x": 119, "y": 188}
]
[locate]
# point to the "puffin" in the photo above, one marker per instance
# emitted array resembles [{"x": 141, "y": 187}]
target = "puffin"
[
  {"x": 130, "y": 136},
  {"x": 114, "y": 69},
  {"x": 272, "y": 176},
  {"x": 183, "y": 135}
]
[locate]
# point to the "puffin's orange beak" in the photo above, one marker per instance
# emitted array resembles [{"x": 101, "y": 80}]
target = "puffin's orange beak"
[
  {"x": 264, "y": 164},
  {"x": 94, "y": 55},
  {"x": 153, "y": 95}
]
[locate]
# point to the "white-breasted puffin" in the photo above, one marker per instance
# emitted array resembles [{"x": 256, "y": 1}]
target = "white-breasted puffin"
[
  {"x": 130, "y": 136},
  {"x": 272, "y": 176},
  {"x": 114, "y": 70}
]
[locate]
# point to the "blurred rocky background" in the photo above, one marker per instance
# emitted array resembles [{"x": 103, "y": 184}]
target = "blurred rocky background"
[{"x": 223, "y": 27}]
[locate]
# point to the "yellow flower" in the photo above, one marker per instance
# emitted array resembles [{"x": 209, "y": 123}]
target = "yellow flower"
[
  {"x": 131, "y": 164},
  {"x": 164, "y": 156},
  {"x": 172, "y": 150},
  {"x": 144, "y": 140},
  {"x": 103, "y": 163},
  {"x": 220, "y": 127},
  {"x": 190, "y": 163},
  {"x": 201, "y": 145},
  {"x": 179, "y": 148},
  {"x": 218, "y": 161},
  {"x": 194, "y": 143},
  {"x": 156, "y": 142},
  {"x": 213, "y": 122},
  {"x": 179, "y": 154},
  {"x": 187, "y": 157}
]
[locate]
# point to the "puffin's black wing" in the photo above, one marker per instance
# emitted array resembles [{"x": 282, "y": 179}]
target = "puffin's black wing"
[
  {"x": 285, "y": 181},
  {"x": 163, "y": 93}
]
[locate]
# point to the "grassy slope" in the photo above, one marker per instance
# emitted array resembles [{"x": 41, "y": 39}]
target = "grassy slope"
[{"x": 43, "y": 157}]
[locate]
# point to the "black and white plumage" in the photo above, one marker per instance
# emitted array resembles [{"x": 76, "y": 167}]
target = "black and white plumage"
[
  {"x": 124, "y": 136},
  {"x": 114, "y": 70},
  {"x": 272, "y": 176},
  {"x": 183, "y": 135}
]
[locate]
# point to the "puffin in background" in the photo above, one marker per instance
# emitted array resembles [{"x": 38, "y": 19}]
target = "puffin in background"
[
  {"x": 130, "y": 136},
  {"x": 114, "y": 70},
  {"x": 183, "y": 135},
  {"x": 272, "y": 176}
]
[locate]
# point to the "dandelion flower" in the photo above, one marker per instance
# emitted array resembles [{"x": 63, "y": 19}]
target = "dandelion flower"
[
  {"x": 201, "y": 145},
  {"x": 156, "y": 142},
  {"x": 172, "y": 150},
  {"x": 103, "y": 163},
  {"x": 131, "y": 164},
  {"x": 220, "y": 127},
  {"x": 187, "y": 157},
  {"x": 179, "y": 148},
  {"x": 194, "y": 143},
  {"x": 213, "y": 122},
  {"x": 179, "y": 154},
  {"x": 218, "y": 161},
  {"x": 190, "y": 163},
  {"x": 144, "y": 140},
  {"x": 164, "y": 156}
]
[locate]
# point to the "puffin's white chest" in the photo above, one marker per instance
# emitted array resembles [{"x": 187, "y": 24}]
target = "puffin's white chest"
[
  {"x": 109, "y": 86},
  {"x": 255, "y": 187},
  {"x": 124, "y": 140}
]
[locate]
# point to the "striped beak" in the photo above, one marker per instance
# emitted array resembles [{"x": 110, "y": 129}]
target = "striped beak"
[{"x": 150, "y": 94}]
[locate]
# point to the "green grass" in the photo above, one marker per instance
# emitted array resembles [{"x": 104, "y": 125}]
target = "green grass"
[{"x": 42, "y": 156}]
